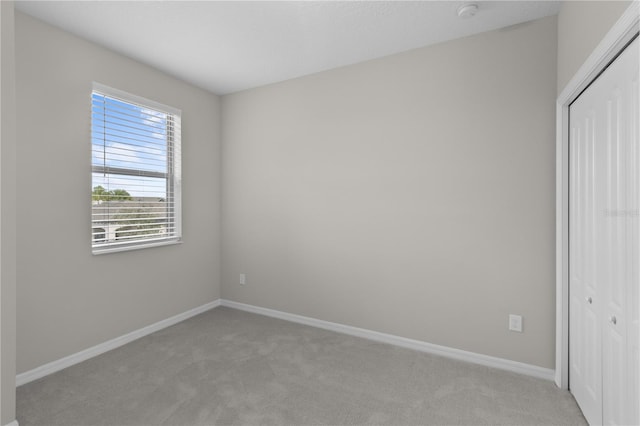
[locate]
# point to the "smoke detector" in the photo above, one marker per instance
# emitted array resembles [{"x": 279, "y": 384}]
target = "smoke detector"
[{"x": 467, "y": 10}]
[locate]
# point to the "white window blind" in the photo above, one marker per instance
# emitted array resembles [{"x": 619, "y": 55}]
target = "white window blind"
[{"x": 135, "y": 159}]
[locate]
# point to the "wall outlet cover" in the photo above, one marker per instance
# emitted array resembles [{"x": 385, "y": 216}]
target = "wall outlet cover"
[{"x": 515, "y": 323}]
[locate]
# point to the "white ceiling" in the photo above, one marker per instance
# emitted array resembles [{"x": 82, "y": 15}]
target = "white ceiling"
[{"x": 228, "y": 46}]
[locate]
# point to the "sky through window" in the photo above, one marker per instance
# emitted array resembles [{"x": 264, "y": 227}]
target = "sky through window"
[{"x": 128, "y": 137}]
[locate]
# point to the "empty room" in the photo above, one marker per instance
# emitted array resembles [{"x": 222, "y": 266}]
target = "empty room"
[{"x": 319, "y": 212}]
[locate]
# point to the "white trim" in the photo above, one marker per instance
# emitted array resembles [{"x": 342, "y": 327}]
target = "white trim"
[
  {"x": 562, "y": 248},
  {"x": 135, "y": 99},
  {"x": 68, "y": 361},
  {"x": 135, "y": 246},
  {"x": 13, "y": 423},
  {"x": 620, "y": 34},
  {"x": 489, "y": 361}
]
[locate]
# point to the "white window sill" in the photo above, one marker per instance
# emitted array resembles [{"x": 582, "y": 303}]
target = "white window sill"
[{"x": 137, "y": 246}]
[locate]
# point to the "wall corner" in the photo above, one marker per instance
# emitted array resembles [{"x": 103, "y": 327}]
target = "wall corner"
[{"x": 7, "y": 216}]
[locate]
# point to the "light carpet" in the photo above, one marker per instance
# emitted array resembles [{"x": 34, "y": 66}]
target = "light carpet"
[{"x": 228, "y": 367}]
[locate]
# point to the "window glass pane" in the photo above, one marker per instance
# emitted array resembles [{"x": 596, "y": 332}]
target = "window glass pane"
[
  {"x": 135, "y": 179},
  {"x": 137, "y": 140},
  {"x": 138, "y": 187}
]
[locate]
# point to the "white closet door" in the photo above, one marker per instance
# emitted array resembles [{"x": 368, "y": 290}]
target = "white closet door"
[
  {"x": 604, "y": 256},
  {"x": 620, "y": 89},
  {"x": 585, "y": 355}
]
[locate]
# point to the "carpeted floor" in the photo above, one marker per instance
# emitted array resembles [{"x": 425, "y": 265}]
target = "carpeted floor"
[{"x": 231, "y": 367}]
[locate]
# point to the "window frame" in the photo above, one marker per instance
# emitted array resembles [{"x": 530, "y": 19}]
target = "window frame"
[{"x": 173, "y": 174}]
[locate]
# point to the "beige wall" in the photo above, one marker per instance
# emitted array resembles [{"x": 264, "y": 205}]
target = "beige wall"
[
  {"x": 69, "y": 300},
  {"x": 581, "y": 27},
  {"x": 411, "y": 195},
  {"x": 7, "y": 215}
]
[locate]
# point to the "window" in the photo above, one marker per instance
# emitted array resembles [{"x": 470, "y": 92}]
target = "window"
[{"x": 135, "y": 163}]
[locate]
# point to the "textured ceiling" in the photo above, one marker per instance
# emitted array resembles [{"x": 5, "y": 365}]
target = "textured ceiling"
[{"x": 228, "y": 46}]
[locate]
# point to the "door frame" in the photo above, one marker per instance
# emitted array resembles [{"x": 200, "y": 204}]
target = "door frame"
[{"x": 623, "y": 31}]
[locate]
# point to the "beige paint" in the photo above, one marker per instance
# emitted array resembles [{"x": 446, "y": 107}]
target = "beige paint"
[
  {"x": 411, "y": 195},
  {"x": 68, "y": 299},
  {"x": 581, "y": 27},
  {"x": 7, "y": 216}
]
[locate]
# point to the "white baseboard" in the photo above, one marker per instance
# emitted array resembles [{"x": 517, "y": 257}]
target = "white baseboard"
[
  {"x": 13, "y": 423},
  {"x": 68, "y": 361},
  {"x": 486, "y": 360}
]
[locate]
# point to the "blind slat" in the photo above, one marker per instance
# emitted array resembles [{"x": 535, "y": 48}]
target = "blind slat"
[{"x": 133, "y": 120}]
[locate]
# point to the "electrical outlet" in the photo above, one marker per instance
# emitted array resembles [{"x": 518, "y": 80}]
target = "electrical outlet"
[
  {"x": 515, "y": 323},
  {"x": 243, "y": 279}
]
